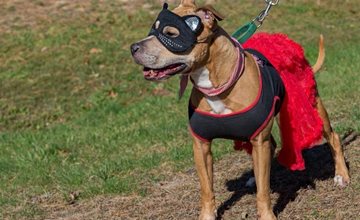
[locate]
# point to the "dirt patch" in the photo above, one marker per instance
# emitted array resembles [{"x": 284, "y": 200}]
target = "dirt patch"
[
  {"x": 310, "y": 194},
  {"x": 295, "y": 195},
  {"x": 20, "y": 14},
  {"x": 23, "y": 14}
]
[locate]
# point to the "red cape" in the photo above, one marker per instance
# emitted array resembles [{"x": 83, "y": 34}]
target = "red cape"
[{"x": 300, "y": 124}]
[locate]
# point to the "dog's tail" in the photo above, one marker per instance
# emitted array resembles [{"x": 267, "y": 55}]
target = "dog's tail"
[{"x": 321, "y": 56}]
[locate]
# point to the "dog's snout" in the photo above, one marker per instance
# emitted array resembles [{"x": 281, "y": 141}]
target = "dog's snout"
[{"x": 134, "y": 48}]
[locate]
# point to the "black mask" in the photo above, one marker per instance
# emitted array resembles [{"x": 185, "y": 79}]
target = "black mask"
[{"x": 189, "y": 27}]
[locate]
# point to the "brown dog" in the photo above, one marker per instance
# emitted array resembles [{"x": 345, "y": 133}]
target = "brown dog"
[{"x": 210, "y": 62}]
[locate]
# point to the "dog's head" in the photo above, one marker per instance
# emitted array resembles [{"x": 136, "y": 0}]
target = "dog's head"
[{"x": 178, "y": 42}]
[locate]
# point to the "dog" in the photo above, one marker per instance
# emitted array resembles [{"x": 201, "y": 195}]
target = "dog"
[{"x": 237, "y": 94}]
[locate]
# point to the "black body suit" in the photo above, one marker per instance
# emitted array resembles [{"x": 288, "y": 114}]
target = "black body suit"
[{"x": 246, "y": 124}]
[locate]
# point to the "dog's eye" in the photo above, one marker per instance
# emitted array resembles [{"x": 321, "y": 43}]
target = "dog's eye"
[{"x": 171, "y": 32}]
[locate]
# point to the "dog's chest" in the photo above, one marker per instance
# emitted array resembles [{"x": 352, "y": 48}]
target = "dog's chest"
[
  {"x": 247, "y": 123},
  {"x": 201, "y": 78}
]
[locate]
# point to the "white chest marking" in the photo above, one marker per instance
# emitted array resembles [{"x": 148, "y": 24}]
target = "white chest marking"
[
  {"x": 217, "y": 105},
  {"x": 201, "y": 79}
]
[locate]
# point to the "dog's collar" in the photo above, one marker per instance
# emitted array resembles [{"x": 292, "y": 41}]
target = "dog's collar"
[{"x": 219, "y": 90}]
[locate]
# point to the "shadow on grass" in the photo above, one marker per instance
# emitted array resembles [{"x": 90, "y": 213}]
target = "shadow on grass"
[{"x": 319, "y": 166}]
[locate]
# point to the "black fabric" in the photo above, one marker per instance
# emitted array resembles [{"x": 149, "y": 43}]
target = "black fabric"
[
  {"x": 243, "y": 125},
  {"x": 189, "y": 27}
]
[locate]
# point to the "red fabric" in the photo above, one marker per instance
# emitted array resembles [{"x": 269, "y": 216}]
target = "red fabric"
[
  {"x": 300, "y": 123},
  {"x": 243, "y": 145}
]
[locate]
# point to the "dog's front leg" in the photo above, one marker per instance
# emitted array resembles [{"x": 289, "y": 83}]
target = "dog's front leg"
[
  {"x": 262, "y": 163},
  {"x": 204, "y": 167}
]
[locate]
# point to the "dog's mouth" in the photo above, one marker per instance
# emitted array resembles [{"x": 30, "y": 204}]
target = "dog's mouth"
[{"x": 163, "y": 73}]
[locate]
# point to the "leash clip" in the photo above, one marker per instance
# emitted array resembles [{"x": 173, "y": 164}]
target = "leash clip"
[
  {"x": 264, "y": 13},
  {"x": 246, "y": 31},
  {"x": 273, "y": 3}
]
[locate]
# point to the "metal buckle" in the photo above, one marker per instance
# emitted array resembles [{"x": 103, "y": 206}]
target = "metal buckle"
[{"x": 272, "y": 2}]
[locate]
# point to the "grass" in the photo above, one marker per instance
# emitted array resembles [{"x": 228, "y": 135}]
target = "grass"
[{"x": 76, "y": 114}]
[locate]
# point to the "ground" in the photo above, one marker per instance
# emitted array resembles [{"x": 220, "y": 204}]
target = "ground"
[
  {"x": 83, "y": 136},
  {"x": 309, "y": 194}
]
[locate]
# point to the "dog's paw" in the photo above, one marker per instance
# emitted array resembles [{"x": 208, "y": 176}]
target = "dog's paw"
[
  {"x": 340, "y": 181},
  {"x": 207, "y": 217}
]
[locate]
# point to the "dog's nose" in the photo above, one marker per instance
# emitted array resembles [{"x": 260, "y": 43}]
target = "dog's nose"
[{"x": 134, "y": 48}]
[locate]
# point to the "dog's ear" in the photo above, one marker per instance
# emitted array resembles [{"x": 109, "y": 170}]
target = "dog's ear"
[
  {"x": 209, "y": 16},
  {"x": 213, "y": 11},
  {"x": 188, "y": 3}
]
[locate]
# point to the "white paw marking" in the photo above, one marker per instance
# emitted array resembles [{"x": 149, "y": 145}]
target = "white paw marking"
[
  {"x": 339, "y": 181},
  {"x": 207, "y": 217},
  {"x": 251, "y": 182}
]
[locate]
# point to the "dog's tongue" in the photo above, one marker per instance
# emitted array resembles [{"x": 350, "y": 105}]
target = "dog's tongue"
[
  {"x": 184, "y": 79},
  {"x": 160, "y": 73}
]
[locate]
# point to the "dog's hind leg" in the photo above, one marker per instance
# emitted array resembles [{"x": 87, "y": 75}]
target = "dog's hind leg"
[
  {"x": 262, "y": 164},
  {"x": 341, "y": 172},
  {"x": 204, "y": 166}
]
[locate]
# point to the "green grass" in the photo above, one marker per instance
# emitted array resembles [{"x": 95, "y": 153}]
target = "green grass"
[{"x": 63, "y": 129}]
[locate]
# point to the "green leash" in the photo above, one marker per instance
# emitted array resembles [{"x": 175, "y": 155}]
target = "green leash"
[{"x": 245, "y": 32}]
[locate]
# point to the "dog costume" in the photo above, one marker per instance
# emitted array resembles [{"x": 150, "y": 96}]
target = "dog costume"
[
  {"x": 245, "y": 124},
  {"x": 288, "y": 86},
  {"x": 300, "y": 124}
]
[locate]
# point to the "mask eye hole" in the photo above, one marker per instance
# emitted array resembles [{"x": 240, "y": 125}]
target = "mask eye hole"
[{"x": 171, "y": 32}]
